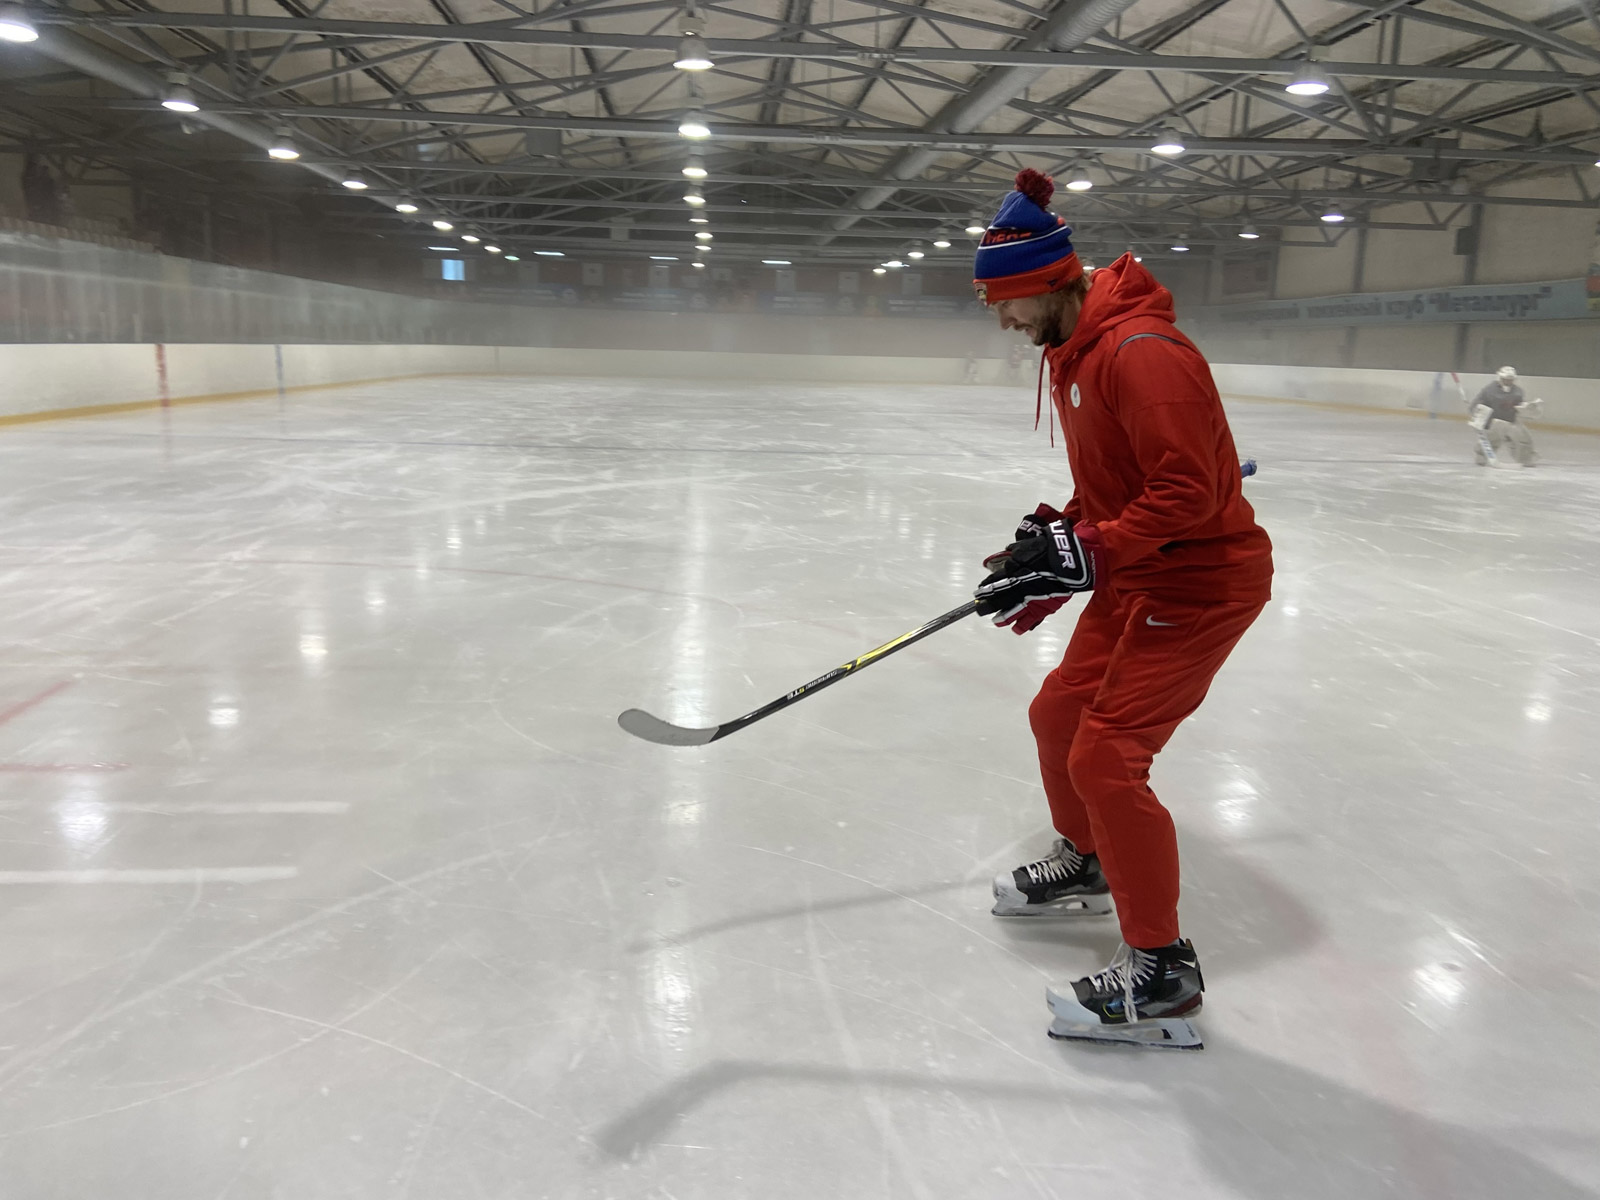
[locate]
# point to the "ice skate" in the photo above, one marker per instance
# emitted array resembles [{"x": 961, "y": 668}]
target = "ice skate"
[
  {"x": 1142, "y": 999},
  {"x": 1064, "y": 883}
]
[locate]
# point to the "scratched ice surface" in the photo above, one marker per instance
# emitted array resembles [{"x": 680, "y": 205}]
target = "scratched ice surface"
[{"x": 326, "y": 872}]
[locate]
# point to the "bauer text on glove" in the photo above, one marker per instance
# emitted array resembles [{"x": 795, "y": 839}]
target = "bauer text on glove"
[{"x": 1061, "y": 562}]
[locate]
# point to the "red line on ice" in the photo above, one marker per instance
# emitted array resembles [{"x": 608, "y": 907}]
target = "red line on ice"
[
  {"x": 16, "y": 710},
  {"x": 65, "y": 768}
]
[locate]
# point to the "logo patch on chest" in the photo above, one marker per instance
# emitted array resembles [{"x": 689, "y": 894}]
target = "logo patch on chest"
[{"x": 1076, "y": 396}]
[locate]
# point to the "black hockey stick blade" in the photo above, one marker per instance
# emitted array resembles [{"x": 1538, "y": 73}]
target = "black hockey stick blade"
[
  {"x": 663, "y": 733},
  {"x": 653, "y": 729}
]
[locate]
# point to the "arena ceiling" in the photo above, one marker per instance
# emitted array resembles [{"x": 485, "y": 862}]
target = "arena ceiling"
[{"x": 843, "y": 131}]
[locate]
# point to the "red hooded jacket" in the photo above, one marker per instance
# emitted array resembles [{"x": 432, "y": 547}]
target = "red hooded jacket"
[{"x": 1153, "y": 461}]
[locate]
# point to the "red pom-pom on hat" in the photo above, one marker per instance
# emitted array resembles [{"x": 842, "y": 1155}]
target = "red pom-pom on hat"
[{"x": 1036, "y": 186}]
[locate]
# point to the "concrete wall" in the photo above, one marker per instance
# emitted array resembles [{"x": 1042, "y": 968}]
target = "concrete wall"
[{"x": 1516, "y": 244}]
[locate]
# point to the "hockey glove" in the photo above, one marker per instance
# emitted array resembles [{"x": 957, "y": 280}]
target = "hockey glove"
[
  {"x": 1032, "y": 525},
  {"x": 1035, "y": 611},
  {"x": 1036, "y": 571}
]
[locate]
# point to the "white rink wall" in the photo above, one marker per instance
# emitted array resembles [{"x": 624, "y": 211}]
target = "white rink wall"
[
  {"x": 49, "y": 377},
  {"x": 777, "y": 368},
  {"x": 1570, "y": 403},
  {"x": 53, "y": 378}
]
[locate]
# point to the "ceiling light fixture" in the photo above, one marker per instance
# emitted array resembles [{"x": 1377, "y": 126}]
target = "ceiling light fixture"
[
  {"x": 550, "y": 253},
  {"x": 15, "y": 26},
  {"x": 703, "y": 235},
  {"x": 177, "y": 97},
  {"x": 776, "y": 262},
  {"x": 1308, "y": 79},
  {"x": 894, "y": 264},
  {"x": 353, "y": 181},
  {"x": 471, "y": 239},
  {"x": 1249, "y": 233},
  {"x": 443, "y": 226},
  {"x": 1080, "y": 182},
  {"x": 1333, "y": 214},
  {"x": 692, "y": 54},
  {"x": 695, "y": 168},
  {"x": 513, "y": 258},
  {"x": 916, "y": 252},
  {"x": 880, "y": 270},
  {"x": 694, "y": 197},
  {"x": 693, "y": 126},
  {"x": 699, "y": 220},
  {"x": 405, "y": 206},
  {"x": 1167, "y": 143},
  {"x": 450, "y": 249},
  {"x": 976, "y": 226},
  {"x": 663, "y": 258},
  {"x": 699, "y": 266},
  {"x": 1181, "y": 245},
  {"x": 492, "y": 249},
  {"x": 941, "y": 242},
  {"x": 283, "y": 148}
]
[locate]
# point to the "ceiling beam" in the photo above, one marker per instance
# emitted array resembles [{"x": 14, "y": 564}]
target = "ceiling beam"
[
  {"x": 956, "y": 189},
  {"x": 1066, "y": 28},
  {"x": 1194, "y": 193},
  {"x": 1052, "y": 143},
  {"x": 724, "y": 233},
  {"x": 497, "y": 34}
]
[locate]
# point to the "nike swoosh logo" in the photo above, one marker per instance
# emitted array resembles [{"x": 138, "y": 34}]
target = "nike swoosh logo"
[{"x": 1165, "y": 624}]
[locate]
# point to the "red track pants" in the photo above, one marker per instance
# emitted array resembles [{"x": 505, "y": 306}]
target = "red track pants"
[{"x": 1135, "y": 668}]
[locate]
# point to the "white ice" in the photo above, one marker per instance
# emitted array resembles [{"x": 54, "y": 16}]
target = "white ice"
[{"x": 326, "y": 871}]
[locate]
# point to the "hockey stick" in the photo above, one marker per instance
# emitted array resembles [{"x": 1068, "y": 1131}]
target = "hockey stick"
[{"x": 653, "y": 729}]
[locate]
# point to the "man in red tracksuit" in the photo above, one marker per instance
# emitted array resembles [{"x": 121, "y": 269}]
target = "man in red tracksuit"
[{"x": 1160, "y": 535}]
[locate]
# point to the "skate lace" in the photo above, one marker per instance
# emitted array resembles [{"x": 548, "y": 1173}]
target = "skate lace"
[
  {"x": 1128, "y": 969},
  {"x": 1059, "y": 865}
]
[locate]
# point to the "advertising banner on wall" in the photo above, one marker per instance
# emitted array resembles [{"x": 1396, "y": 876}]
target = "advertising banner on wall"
[{"x": 1559, "y": 300}]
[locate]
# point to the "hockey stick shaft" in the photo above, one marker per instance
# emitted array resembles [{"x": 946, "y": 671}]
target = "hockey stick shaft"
[
  {"x": 855, "y": 664},
  {"x": 642, "y": 724}
]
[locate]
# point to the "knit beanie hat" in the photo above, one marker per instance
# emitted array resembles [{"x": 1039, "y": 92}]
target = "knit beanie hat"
[{"x": 1027, "y": 250}]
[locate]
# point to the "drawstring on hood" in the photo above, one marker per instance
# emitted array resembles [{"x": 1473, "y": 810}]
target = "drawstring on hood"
[{"x": 1038, "y": 401}]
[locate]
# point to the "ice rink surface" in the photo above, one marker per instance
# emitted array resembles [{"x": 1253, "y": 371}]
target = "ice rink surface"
[{"x": 326, "y": 871}]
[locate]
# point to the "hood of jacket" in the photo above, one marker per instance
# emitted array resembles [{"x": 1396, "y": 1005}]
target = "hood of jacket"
[{"x": 1117, "y": 293}]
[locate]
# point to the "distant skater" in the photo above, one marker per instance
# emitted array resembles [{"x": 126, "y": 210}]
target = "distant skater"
[{"x": 1495, "y": 415}]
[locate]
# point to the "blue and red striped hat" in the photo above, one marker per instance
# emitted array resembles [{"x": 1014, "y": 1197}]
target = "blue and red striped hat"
[{"x": 1027, "y": 250}]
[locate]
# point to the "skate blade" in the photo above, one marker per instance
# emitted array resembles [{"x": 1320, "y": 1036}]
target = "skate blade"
[
  {"x": 1162, "y": 1034},
  {"x": 1078, "y": 906},
  {"x": 1073, "y": 1022}
]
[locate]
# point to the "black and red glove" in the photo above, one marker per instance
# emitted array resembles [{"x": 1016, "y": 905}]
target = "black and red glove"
[
  {"x": 1029, "y": 618},
  {"x": 1035, "y": 576}
]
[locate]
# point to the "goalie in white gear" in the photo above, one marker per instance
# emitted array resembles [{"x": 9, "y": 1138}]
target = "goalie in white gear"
[{"x": 1495, "y": 414}]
